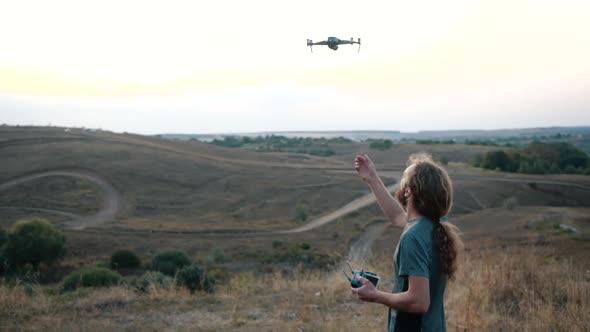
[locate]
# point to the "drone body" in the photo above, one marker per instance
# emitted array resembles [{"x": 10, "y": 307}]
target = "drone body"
[{"x": 333, "y": 43}]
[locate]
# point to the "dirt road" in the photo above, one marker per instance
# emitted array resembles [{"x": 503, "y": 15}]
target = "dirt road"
[
  {"x": 357, "y": 204},
  {"x": 111, "y": 204}
]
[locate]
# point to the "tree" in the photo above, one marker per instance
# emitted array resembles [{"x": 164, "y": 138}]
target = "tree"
[
  {"x": 497, "y": 159},
  {"x": 34, "y": 241}
]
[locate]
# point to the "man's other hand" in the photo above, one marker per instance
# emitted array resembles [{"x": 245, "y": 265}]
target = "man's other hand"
[{"x": 367, "y": 292}]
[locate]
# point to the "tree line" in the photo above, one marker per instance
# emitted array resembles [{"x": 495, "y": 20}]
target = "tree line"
[{"x": 537, "y": 158}]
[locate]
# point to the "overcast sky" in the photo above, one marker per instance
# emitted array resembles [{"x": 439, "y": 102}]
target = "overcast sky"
[{"x": 242, "y": 66}]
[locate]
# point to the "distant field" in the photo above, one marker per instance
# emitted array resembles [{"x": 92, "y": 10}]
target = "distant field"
[
  {"x": 174, "y": 193},
  {"x": 120, "y": 191}
]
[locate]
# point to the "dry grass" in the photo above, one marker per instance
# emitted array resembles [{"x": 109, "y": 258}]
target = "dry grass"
[
  {"x": 519, "y": 289},
  {"x": 515, "y": 289}
]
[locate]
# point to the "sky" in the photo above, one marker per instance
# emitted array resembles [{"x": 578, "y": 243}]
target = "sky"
[{"x": 242, "y": 66}]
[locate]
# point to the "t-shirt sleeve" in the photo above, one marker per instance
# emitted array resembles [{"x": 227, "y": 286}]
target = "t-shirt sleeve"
[{"x": 414, "y": 257}]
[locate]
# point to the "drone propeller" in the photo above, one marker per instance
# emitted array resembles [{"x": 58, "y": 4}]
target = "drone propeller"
[{"x": 359, "y": 45}]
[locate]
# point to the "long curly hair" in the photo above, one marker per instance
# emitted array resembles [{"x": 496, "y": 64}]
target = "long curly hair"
[{"x": 432, "y": 196}]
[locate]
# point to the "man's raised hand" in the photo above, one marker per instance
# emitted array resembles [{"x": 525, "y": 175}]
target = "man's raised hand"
[{"x": 365, "y": 167}]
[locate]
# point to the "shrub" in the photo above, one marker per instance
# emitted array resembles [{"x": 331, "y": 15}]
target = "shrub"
[
  {"x": 91, "y": 277},
  {"x": 170, "y": 261},
  {"x": 124, "y": 259},
  {"x": 301, "y": 212},
  {"x": 194, "y": 278},
  {"x": 153, "y": 279},
  {"x": 216, "y": 256},
  {"x": 34, "y": 241}
]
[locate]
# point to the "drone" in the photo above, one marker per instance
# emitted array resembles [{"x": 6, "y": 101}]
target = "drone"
[{"x": 333, "y": 43}]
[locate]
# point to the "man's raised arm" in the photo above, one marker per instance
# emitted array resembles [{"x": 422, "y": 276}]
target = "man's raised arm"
[{"x": 389, "y": 205}]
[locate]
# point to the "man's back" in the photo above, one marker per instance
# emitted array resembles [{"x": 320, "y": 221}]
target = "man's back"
[{"x": 416, "y": 255}]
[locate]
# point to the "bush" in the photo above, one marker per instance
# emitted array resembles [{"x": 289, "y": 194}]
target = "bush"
[
  {"x": 216, "y": 256},
  {"x": 34, "y": 241},
  {"x": 301, "y": 212},
  {"x": 194, "y": 278},
  {"x": 124, "y": 259},
  {"x": 170, "y": 261},
  {"x": 152, "y": 280},
  {"x": 91, "y": 277}
]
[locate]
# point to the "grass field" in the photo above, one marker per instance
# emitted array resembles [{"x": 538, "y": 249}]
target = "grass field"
[
  {"x": 524, "y": 288},
  {"x": 196, "y": 196}
]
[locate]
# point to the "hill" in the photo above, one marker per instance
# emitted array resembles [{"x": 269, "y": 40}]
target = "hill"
[
  {"x": 259, "y": 209},
  {"x": 121, "y": 190}
]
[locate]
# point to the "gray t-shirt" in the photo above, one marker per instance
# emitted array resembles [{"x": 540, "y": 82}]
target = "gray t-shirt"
[{"x": 417, "y": 255}]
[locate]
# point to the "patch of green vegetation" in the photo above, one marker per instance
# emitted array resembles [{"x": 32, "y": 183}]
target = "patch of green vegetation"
[
  {"x": 216, "y": 256},
  {"x": 34, "y": 241},
  {"x": 277, "y": 143},
  {"x": 91, "y": 277},
  {"x": 170, "y": 261},
  {"x": 432, "y": 141},
  {"x": 537, "y": 158},
  {"x": 301, "y": 212},
  {"x": 194, "y": 278},
  {"x": 380, "y": 144},
  {"x": 124, "y": 259}
]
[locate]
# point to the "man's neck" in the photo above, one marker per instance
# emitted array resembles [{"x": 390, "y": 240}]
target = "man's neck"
[{"x": 413, "y": 214}]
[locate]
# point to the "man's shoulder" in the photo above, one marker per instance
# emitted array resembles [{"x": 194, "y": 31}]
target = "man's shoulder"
[{"x": 421, "y": 230}]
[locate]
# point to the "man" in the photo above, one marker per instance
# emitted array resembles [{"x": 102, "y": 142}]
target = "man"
[{"x": 426, "y": 255}]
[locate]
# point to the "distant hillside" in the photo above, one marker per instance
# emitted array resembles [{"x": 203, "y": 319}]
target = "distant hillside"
[
  {"x": 579, "y": 136},
  {"x": 194, "y": 195}
]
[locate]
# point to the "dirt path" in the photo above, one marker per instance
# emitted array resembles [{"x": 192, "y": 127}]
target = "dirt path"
[
  {"x": 361, "y": 250},
  {"x": 110, "y": 206},
  {"x": 357, "y": 204}
]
